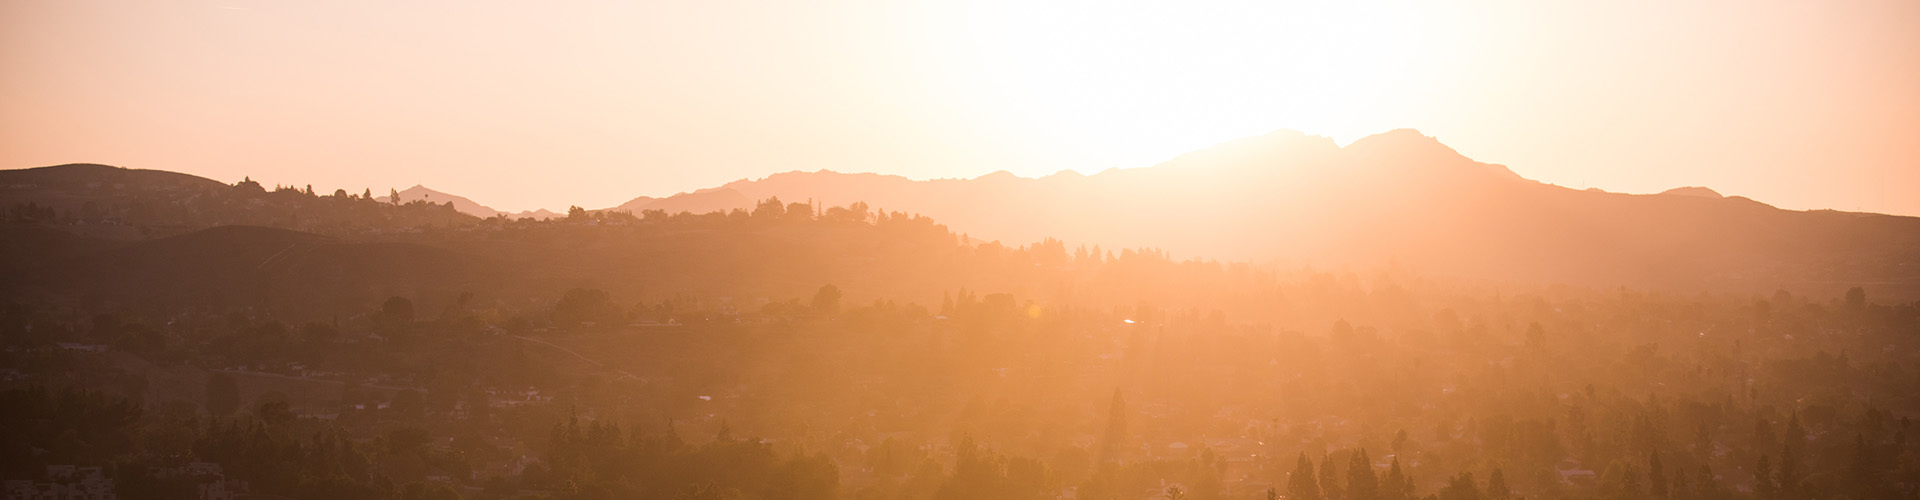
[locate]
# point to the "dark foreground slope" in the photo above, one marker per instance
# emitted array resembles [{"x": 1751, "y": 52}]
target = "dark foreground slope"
[
  {"x": 256, "y": 269},
  {"x": 714, "y": 262}
]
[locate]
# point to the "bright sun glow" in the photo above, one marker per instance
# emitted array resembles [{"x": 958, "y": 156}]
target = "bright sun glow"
[{"x": 1135, "y": 82}]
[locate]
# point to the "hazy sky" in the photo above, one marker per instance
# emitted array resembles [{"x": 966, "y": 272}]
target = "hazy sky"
[{"x": 520, "y": 105}]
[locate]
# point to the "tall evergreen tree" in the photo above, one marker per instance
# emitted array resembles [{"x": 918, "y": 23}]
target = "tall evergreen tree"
[
  {"x": 1763, "y": 438},
  {"x": 1397, "y": 486},
  {"x": 1361, "y": 483},
  {"x": 1680, "y": 489},
  {"x": 1796, "y": 436},
  {"x": 1302, "y": 485},
  {"x": 1763, "y": 486},
  {"x": 1863, "y": 475},
  {"x": 1706, "y": 484},
  {"x": 1790, "y": 472},
  {"x": 1622, "y": 480},
  {"x": 1793, "y": 446},
  {"x": 1461, "y": 487},
  {"x": 1113, "y": 444},
  {"x": 1497, "y": 486},
  {"x": 1329, "y": 482}
]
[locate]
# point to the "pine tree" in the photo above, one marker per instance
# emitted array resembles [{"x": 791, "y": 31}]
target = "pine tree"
[
  {"x": 1622, "y": 480},
  {"x": 1656, "y": 476},
  {"x": 1796, "y": 436},
  {"x": 1862, "y": 475},
  {"x": 1397, "y": 486},
  {"x": 1461, "y": 487},
  {"x": 1113, "y": 444},
  {"x": 1763, "y": 487},
  {"x": 1707, "y": 486},
  {"x": 1329, "y": 483},
  {"x": 1497, "y": 486},
  {"x": 1763, "y": 438},
  {"x": 1361, "y": 483},
  {"x": 1790, "y": 473},
  {"x": 1302, "y": 485}
]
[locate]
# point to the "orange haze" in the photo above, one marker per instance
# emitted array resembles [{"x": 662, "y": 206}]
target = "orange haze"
[{"x": 542, "y": 105}]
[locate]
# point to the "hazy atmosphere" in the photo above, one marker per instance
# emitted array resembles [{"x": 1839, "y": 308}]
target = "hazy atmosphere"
[
  {"x": 995, "y": 250},
  {"x": 611, "y": 100}
]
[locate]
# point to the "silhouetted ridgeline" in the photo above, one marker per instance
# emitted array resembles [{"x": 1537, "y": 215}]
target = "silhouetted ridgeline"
[
  {"x": 129, "y": 204},
  {"x": 1397, "y": 199},
  {"x": 1401, "y": 198}
]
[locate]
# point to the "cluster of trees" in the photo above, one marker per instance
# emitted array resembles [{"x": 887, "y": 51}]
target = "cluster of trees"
[
  {"x": 597, "y": 460},
  {"x": 264, "y": 447},
  {"x": 936, "y": 367},
  {"x": 166, "y": 208}
]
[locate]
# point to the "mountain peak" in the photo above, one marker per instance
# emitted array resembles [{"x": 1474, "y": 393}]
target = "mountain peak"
[
  {"x": 999, "y": 175},
  {"x": 1402, "y": 149},
  {"x": 462, "y": 204},
  {"x": 1403, "y": 141},
  {"x": 1694, "y": 191}
]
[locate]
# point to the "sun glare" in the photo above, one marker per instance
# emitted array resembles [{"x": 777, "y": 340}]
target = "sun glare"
[
  {"x": 1131, "y": 83},
  {"x": 832, "y": 250}
]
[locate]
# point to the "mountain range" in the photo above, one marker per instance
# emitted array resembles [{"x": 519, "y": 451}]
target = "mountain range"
[
  {"x": 462, "y": 204},
  {"x": 1396, "y": 199}
]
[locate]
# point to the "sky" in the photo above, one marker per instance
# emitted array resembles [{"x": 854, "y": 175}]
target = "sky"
[{"x": 524, "y": 105}]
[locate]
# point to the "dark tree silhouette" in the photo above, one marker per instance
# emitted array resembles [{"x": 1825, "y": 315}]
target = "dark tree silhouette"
[
  {"x": 1302, "y": 485},
  {"x": 1114, "y": 441}
]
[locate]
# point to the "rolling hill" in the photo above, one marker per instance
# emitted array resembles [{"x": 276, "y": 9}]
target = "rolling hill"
[
  {"x": 1396, "y": 199},
  {"x": 1402, "y": 198}
]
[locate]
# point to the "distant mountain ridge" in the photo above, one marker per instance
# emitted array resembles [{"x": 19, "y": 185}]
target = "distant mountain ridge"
[
  {"x": 706, "y": 200},
  {"x": 1399, "y": 198},
  {"x": 1396, "y": 198},
  {"x": 462, "y": 204}
]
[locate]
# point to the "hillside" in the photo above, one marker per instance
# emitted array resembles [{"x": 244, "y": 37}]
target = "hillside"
[
  {"x": 1402, "y": 198},
  {"x": 289, "y": 273},
  {"x": 130, "y": 205},
  {"x": 1394, "y": 199}
]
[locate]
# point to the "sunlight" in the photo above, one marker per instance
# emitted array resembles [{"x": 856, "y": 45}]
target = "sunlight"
[
  {"x": 1131, "y": 83},
  {"x": 960, "y": 250}
]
